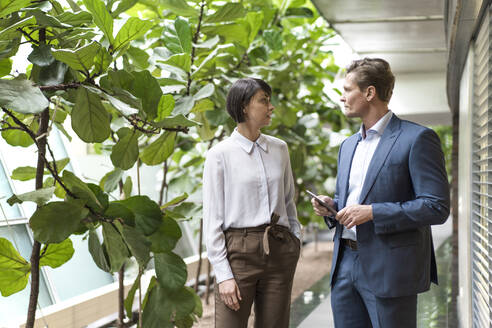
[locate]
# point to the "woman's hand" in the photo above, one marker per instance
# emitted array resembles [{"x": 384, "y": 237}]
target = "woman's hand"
[{"x": 229, "y": 293}]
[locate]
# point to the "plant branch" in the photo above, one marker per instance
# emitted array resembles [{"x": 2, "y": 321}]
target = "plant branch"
[
  {"x": 28, "y": 36},
  {"x": 73, "y": 85},
  {"x": 195, "y": 39},
  {"x": 146, "y": 127}
]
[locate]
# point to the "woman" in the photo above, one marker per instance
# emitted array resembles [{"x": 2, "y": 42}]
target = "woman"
[{"x": 251, "y": 224}]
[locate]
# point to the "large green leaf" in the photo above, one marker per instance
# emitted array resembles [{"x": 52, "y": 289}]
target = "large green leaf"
[
  {"x": 158, "y": 308},
  {"x": 52, "y": 74},
  {"x": 166, "y": 238},
  {"x": 179, "y": 7},
  {"x": 115, "y": 246},
  {"x": 232, "y": 32},
  {"x": 54, "y": 255},
  {"x": 204, "y": 130},
  {"x": 40, "y": 196},
  {"x": 184, "y": 105},
  {"x": 15, "y": 269},
  {"x": 158, "y": 151},
  {"x": 177, "y": 38},
  {"x": 56, "y": 221},
  {"x": 273, "y": 39},
  {"x": 229, "y": 12},
  {"x": 102, "y": 18},
  {"x": 80, "y": 59},
  {"x": 205, "y": 92},
  {"x": 22, "y": 96},
  {"x": 165, "y": 108},
  {"x": 184, "y": 303},
  {"x": 134, "y": 28},
  {"x": 255, "y": 20},
  {"x": 111, "y": 179},
  {"x": 139, "y": 57},
  {"x": 123, "y": 6},
  {"x": 125, "y": 151},
  {"x": 97, "y": 252},
  {"x": 75, "y": 19},
  {"x": 138, "y": 244},
  {"x": 170, "y": 270},
  {"x": 131, "y": 295},
  {"x": 181, "y": 61},
  {"x": 5, "y": 66},
  {"x": 81, "y": 190},
  {"x": 175, "y": 201},
  {"x": 102, "y": 60},
  {"x": 11, "y": 30},
  {"x": 90, "y": 120},
  {"x": 9, "y": 6},
  {"x": 116, "y": 210},
  {"x": 147, "y": 88},
  {"x": 25, "y": 173},
  {"x": 148, "y": 215},
  {"x": 175, "y": 121}
]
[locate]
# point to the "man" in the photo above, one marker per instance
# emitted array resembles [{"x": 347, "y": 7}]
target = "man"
[{"x": 391, "y": 187}]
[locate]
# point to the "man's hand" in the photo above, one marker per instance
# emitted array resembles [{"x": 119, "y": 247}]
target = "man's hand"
[
  {"x": 354, "y": 215},
  {"x": 319, "y": 209},
  {"x": 229, "y": 293}
]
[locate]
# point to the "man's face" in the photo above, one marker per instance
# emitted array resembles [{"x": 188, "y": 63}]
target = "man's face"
[{"x": 354, "y": 99}]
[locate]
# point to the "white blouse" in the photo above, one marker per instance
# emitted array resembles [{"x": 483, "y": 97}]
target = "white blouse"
[{"x": 244, "y": 182}]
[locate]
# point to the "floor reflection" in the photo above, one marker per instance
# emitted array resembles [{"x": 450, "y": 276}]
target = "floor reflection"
[{"x": 433, "y": 306}]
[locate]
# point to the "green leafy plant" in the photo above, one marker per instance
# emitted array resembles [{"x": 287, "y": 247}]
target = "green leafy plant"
[{"x": 151, "y": 92}]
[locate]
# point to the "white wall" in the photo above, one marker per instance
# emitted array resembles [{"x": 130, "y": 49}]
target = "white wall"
[{"x": 421, "y": 97}]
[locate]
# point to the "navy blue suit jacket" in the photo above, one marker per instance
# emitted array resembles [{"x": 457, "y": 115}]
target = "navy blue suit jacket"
[{"x": 407, "y": 186}]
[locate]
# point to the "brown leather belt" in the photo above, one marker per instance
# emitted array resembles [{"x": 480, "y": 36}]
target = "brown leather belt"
[{"x": 352, "y": 244}]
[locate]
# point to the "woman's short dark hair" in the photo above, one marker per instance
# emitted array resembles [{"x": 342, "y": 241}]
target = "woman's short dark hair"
[
  {"x": 240, "y": 95},
  {"x": 375, "y": 72}
]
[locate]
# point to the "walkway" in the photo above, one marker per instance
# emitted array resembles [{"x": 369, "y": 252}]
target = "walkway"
[{"x": 313, "y": 308}]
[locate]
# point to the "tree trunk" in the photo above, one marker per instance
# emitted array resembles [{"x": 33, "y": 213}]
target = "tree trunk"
[
  {"x": 207, "y": 284},
  {"x": 36, "y": 247},
  {"x": 199, "y": 268},
  {"x": 121, "y": 297}
]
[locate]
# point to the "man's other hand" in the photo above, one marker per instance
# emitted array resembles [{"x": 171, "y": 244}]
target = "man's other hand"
[{"x": 354, "y": 215}]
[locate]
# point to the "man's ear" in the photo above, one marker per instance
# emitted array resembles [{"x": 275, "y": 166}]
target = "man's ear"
[{"x": 370, "y": 93}]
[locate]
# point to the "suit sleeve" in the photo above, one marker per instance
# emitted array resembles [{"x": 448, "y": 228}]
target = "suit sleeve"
[{"x": 429, "y": 180}]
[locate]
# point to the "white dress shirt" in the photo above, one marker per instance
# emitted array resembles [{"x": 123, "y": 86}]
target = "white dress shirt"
[
  {"x": 366, "y": 147},
  {"x": 244, "y": 182}
]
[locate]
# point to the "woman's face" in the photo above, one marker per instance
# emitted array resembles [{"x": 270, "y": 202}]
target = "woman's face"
[{"x": 258, "y": 112}]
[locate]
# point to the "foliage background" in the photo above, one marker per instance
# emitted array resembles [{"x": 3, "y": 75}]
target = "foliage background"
[{"x": 144, "y": 82}]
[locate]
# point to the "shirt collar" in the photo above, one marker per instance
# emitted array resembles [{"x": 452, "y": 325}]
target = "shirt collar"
[
  {"x": 379, "y": 126},
  {"x": 246, "y": 144}
]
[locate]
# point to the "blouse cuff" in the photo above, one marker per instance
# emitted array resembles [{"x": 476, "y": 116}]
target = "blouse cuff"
[{"x": 222, "y": 271}]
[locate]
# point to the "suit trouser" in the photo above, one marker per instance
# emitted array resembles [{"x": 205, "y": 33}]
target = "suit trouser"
[
  {"x": 355, "y": 306},
  {"x": 263, "y": 279}
]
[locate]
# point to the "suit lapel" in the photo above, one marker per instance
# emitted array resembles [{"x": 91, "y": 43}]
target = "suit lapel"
[
  {"x": 387, "y": 141},
  {"x": 345, "y": 164}
]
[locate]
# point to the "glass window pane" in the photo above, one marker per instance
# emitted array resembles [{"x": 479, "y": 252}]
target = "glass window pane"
[
  {"x": 80, "y": 269},
  {"x": 15, "y": 306},
  {"x": 12, "y": 212}
]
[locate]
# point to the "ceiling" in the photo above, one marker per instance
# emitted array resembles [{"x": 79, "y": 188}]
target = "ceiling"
[{"x": 410, "y": 35}]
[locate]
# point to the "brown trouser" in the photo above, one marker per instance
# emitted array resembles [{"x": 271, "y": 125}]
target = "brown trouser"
[{"x": 263, "y": 279}]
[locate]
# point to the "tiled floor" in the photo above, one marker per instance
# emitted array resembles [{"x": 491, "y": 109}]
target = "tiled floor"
[{"x": 313, "y": 308}]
